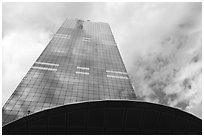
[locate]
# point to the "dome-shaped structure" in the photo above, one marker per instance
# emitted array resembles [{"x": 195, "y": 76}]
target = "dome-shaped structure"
[{"x": 107, "y": 117}]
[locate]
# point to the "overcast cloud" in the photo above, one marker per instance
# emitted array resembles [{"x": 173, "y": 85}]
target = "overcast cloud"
[{"x": 160, "y": 44}]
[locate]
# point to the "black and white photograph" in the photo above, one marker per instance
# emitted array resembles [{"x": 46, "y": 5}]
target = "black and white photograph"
[{"x": 101, "y": 68}]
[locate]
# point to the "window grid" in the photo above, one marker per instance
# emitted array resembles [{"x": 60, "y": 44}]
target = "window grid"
[{"x": 72, "y": 69}]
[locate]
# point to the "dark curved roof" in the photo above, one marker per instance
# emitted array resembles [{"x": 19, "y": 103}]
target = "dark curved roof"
[{"x": 107, "y": 117}]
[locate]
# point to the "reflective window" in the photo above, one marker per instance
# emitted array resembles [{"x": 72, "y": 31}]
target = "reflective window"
[
  {"x": 85, "y": 39},
  {"x": 77, "y": 65},
  {"x": 62, "y": 36}
]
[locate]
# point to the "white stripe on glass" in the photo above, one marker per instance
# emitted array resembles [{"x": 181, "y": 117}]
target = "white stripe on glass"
[
  {"x": 44, "y": 63},
  {"x": 43, "y": 68},
  {"x": 62, "y": 35},
  {"x": 116, "y": 72},
  {"x": 82, "y": 68},
  {"x": 86, "y": 39},
  {"x": 117, "y": 77},
  {"x": 86, "y": 73}
]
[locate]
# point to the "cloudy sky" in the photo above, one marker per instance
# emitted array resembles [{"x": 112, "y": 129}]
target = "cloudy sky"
[{"x": 160, "y": 44}]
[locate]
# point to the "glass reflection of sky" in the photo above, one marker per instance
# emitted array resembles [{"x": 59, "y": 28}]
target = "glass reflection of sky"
[{"x": 56, "y": 78}]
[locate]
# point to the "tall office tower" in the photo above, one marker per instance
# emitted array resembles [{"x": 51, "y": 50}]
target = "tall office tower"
[{"x": 80, "y": 63}]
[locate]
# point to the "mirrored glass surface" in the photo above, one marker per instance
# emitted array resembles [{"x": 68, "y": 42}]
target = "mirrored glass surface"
[{"x": 80, "y": 63}]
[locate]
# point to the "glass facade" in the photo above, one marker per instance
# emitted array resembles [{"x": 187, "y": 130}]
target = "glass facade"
[{"x": 80, "y": 63}]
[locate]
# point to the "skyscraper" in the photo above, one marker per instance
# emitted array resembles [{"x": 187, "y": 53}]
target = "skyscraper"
[{"x": 80, "y": 63}]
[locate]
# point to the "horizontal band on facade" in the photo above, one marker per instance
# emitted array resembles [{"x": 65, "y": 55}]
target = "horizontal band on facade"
[
  {"x": 116, "y": 72},
  {"x": 86, "y": 73},
  {"x": 83, "y": 68},
  {"x": 84, "y": 40},
  {"x": 62, "y": 36},
  {"x": 44, "y": 63},
  {"x": 117, "y": 77},
  {"x": 43, "y": 68}
]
